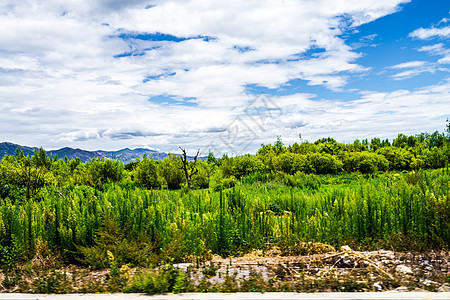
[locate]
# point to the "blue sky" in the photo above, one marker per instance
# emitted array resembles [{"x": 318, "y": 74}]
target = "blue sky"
[{"x": 110, "y": 74}]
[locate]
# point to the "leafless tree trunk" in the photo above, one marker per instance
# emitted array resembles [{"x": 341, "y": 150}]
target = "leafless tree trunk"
[{"x": 189, "y": 171}]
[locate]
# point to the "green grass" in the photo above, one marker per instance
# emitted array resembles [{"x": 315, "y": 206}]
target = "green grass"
[{"x": 403, "y": 211}]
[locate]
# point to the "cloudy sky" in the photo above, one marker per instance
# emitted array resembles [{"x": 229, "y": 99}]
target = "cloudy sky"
[{"x": 220, "y": 75}]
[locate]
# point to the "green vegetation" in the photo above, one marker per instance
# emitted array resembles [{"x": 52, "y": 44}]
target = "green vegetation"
[{"x": 105, "y": 215}]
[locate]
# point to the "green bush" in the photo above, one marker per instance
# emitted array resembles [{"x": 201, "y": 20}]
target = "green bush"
[
  {"x": 200, "y": 180},
  {"x": 323, "y": 163},
  {"x": 244, "y": 165},
  {"x": 104, "y": 170},
  {"x": 229, "y": 182},
  {"x": 54, "y": 283},
  {"x": 146, "y": 173},
  {"x": 171, "y": 171},
  {"x": 168, "y": 279},
  {"x": 364, "y": 162}
]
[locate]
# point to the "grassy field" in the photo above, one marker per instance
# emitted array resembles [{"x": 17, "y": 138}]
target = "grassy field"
[{"x": 401, "y": 211}]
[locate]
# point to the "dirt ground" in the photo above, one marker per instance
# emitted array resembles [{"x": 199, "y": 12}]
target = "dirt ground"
[{"x": 345, "y": 270}]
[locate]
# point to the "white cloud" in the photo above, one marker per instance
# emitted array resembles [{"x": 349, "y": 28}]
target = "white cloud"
[
  {"x": 61, "y": 81},
  {"x": 445, "y": 59},
  {"x": 409, "y": 64},
  {"x": 426, "y": 33},
  {"x": 375, "y": 114},
  {"x": 414, "y": 68},
  {"x": 436, "y": 49}
]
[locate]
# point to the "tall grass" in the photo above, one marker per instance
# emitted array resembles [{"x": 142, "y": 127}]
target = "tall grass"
[{"x": 400, "y": 211}]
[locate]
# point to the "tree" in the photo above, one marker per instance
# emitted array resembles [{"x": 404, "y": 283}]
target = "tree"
[
  {"x": 364, "y": 162},
  {"x": 226, "y": 165},
  {"x": 146, "y": 173},
  {"x": 324, "y": 163},
  {"x": 447, "y": 144},
  {"x": 171, "y": 170},
  {"x": 103, "y": 170},
  {"x": 212, "y": 160},
  {"x": 329, "y": 145},
  {"x": 279, "y": 145},
  {"x": 447, "y": 128},
  {"x": 375, "y": 144},
  {"x": 401, "y": 141},
  {"x": 25, "y": 172},
  {"x": 399, "y": 158},
  {"x": 245, "y": 165},
  {"x": 188, "y": 170},
  {"x": 201, "y": 179}
]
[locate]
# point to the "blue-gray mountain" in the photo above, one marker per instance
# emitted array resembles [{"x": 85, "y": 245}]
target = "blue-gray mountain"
[{"x": 125, "y": 155}]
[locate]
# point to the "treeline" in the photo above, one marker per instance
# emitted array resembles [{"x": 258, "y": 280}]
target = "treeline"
[
  {"x": 22, "y": 176},
  {"x": 327, "y": 156}
]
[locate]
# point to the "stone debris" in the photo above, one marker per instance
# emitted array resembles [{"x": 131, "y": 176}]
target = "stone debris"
[
  {"x": 378, "y": 286},
  {"x": 402, "y": 289},
  {"x": 403, "y": 269},
  {"x": 429, "y": 282},
  {"x": 345, "y": 248},
  {"x": 445, "y": 288}
]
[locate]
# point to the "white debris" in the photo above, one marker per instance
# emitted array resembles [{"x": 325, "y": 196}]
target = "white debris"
[
  {"x": 402, "y": 289},
  {"x": 345, "y": 248},
  {"x": 445, "y": 288},
  {"x": 403, "y": 269},
  {"x": 378, "y": 286},
  {"x": 346, "y": 259},
  {"x": 429, "y": 282}
]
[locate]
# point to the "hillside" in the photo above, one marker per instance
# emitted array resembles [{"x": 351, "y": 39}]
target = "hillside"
[{"x": 125, "y": 155}]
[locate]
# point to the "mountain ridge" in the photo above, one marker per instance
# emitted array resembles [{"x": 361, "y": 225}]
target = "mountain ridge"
[{"x": 125, "y": 155}]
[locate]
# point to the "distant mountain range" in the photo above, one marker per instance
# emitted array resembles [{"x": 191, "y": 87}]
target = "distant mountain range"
[{"x": 125, "y": 155}]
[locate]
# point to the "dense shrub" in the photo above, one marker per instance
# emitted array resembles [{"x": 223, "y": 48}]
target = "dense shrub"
[
  {"x": 323, "y": 163},
  {"x": 399, "y": 158},
  {"x": 364, "y": 162},
  {"x": 171, "y": 171},
  {"x": 146, "y": 173},
  {"x": 104, "y": 170},
  {"x": 244, "y": 165},
  {"x": 200, "y": 180}
]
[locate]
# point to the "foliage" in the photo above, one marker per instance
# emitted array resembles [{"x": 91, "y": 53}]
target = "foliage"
[
  {"x": 167, "y": 280},
  {"x": 101, "y": 171},
  {"x": 364, "y": 162},
  {"x": 171, "y": 171},
  {"x": 25, "y": 173},
  {"x": 146, "y": 173},
  {"x": 200, "y": 180}
]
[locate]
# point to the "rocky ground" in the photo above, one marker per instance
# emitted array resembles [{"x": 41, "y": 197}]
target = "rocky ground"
[{"x": 345, "y": 270}]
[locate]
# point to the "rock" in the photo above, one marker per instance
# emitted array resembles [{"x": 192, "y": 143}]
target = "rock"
[
  {"x": 403, "y": 269},
  {"x": 386, "y": 253},
  {"x": 378, "y": 286},
  {"x": 345, "y": 248},
  {"x": 402, "y": 289},
  {"x": 346, "y": 260},
  {"x": 445, "y": 288},
  {"x": 429, "y": 282}
]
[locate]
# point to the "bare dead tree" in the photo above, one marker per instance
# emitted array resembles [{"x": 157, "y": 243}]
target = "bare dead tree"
[{"x": 189, "y": 171}]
